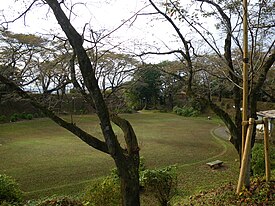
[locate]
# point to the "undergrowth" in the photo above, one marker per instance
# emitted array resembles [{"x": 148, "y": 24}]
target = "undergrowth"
[{"x": 259, "y": 193}]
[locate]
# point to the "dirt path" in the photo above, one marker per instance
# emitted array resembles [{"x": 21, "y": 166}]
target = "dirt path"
[{"x": 221, "y": 132}]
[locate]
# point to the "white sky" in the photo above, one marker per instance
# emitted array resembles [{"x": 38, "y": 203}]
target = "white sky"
[{"x": 102, "y": 15}]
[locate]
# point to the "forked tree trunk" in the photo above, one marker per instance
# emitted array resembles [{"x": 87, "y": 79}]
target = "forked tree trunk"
[{"x": 127, "y": 162}]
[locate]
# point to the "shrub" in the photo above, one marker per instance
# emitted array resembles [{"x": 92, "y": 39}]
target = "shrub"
[
  {"x": 197, "y": 105},
  {"x": 22, "y": 116},
  {"x": 161, "y": 182},
  {"x": 104, "y": 192},
  {"x": 9, "y": 190},
  {"x": 14, "y": 117},
  {"x": 3, "y": 118},
  {"x": 186, "y": 111},
  {"x": 60, "y": 201},
  {"x": 107, "y": 191},
  {"x": 259, "y": 193},
  {"x": 29, "y": 116},
  {"x": 258, "y": 159},
  {"x": 10, "y": 204},
  {"x": 142, "y": 164}
]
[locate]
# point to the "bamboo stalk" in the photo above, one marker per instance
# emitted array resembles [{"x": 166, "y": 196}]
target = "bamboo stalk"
[
  {"x": 266, "y": 150},
  {"x": 245, "y": 73},
  {"x": 246, "y": 153}
]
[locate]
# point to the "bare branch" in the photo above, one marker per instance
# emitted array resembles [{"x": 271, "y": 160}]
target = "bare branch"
[
  {"x": 124, "y": 22},
  {"x": 163, "y": 53},
  {"x": 23, "y": 14},
  {"x": 87, "y": 138},
  {"x": 169, "y": 20}
]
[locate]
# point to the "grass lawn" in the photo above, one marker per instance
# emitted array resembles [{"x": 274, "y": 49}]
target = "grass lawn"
[{"x": 45, "y": 159}]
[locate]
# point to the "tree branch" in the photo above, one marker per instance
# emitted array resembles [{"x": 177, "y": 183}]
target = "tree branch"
[
  {"x": 265, "y": 68},
  {"x": 20, "y": 16},
  {"x": 164, "y": 53},
  {"x": 84, "y": 136}
]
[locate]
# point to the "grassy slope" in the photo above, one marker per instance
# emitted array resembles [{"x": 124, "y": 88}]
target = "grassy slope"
[{"x": 45, "y": 159}]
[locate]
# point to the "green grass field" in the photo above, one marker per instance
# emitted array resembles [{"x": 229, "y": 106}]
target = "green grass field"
[{"x": 45, "y": 159}]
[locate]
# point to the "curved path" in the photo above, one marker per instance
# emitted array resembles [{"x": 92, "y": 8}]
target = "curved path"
[
  {"x": 221, "y": 136},
  {"x": 221, "y": 132}
]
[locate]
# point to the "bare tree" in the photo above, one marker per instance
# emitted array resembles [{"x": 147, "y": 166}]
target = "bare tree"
[
  {"x": 228, "y": 15},
  {"x": 126, "y": 159},
  {"x": 262, "y": 54}
]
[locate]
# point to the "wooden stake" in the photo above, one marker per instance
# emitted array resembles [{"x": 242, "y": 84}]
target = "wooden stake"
[
  {"x": 246, "y": 153},
  {"x": 266, "y": 150},
  {"x": 245, "y": 73}
]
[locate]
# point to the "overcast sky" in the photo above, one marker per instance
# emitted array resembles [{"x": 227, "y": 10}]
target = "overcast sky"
[{"x": 102, "y": 15}]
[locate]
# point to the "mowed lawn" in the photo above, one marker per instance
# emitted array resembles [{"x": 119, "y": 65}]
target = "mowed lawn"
[{"x": 45, "y": 159}]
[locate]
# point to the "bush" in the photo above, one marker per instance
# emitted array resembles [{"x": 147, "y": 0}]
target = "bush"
[
  {"x": 258, "y": 159},
  {"x": 141, "y": 164},
  {"x": 104, "y": 192},
  {"x": 186, "y": 111},
  {"x": 107, "y": 191},
  {"x": 3, "y": 118},
  {"x": 14, "y": 117},
  {"x": 10, "y": 204},
  {"x": 197, "y": 105},
  {"x": 60, "y": 201},
  {"x": 22, "y": 116},
  {"x": 9, "y": 190},
  {"x": 259, "y": 193},
  {"x": 29, "y": 116},
  {"x": 161, "y": 182}
]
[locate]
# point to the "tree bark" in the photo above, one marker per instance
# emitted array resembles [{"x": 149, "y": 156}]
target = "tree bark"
[
  {"x": 127, "y": 161},
  {"x": 129, "y": 182},
  {"x": 128, "y": 164}
]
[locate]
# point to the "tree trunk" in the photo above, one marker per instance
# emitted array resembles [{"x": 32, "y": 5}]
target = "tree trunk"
[
  {"x": 127, "y": 160},
  {"x": 235, "y": 139},
  {"x": 129, "y": 184},
  {"x": 128, "y": 171},
  {"x": 170, "y": 101}
]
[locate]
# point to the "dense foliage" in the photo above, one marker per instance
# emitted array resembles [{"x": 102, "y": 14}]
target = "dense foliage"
[
  {"x": 258, "y": 159},
  {"x": 186, "y": 111},
  {"x": 103, "y": 192},
  {"x": 161, "y": 182},
  {"x": 9, "y": 190}
]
